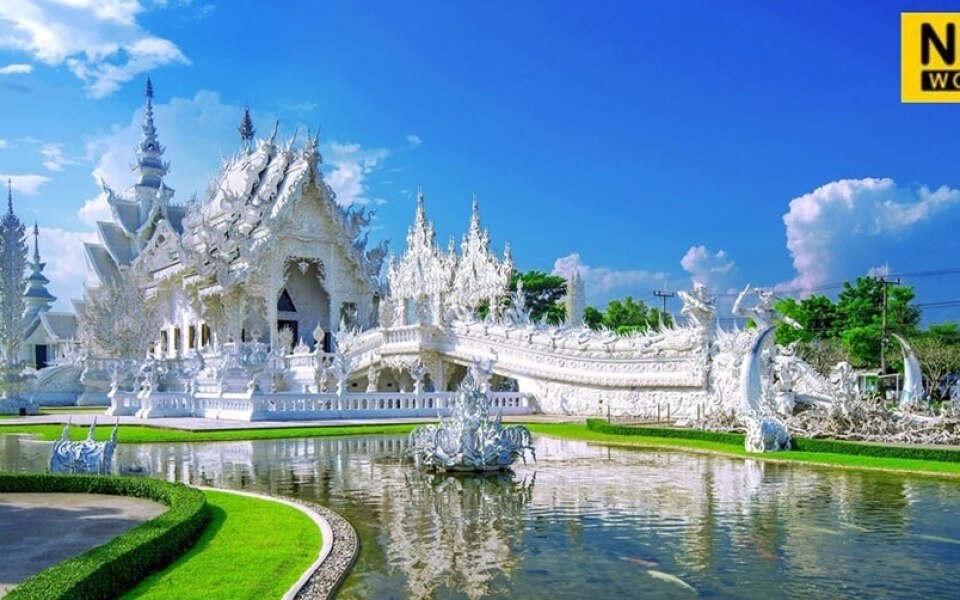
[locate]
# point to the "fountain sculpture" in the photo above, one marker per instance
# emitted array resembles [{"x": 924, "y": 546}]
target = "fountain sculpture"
[
  {"x": 87, "y": 457},
  {"x": 469, "y": 440}
]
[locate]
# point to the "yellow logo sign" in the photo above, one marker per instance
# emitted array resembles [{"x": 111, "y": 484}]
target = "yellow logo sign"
[{"x": 929, "y": 58}]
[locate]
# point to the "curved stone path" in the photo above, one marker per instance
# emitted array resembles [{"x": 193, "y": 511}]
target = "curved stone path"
[{"x": 39, "y": 530}]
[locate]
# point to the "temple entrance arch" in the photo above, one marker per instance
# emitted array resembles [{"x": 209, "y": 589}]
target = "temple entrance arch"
[{"x": 302, "y": 301}]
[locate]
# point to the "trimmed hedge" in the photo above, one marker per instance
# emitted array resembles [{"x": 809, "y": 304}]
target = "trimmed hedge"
[
  {"x": 799, "y": 444},
  {"x": 877, "y": 450},
  {"x": 109, "y": 570},
  {"x": 721, "y": 437}
]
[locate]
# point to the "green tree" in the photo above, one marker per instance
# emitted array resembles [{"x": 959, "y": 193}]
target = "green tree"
[
  {"x": 947, "y": 333},
  {"x": 860, "y": 317},
  {"x": 543, "y": 294},
  {"x": 592, "y": 317},
  {"x": 938, "y": 358},
  {"x": 627, "y": 315},
  {"x": 823, "y": 354},
  {"x": 817, "y": 314},
  {"x": 856, "y": 319}
]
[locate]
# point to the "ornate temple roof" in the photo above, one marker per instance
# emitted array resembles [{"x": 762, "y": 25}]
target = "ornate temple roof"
[
  {"x": 60, "y": 326},
  {"x": 116, "y": 241},
  {"x": 259, "y": 181},
  {"x": 137, "y": 212},
  {"x": 463, "y": 281},
  {"x": 423, "y": 270},
  {"x": 479, "y": 275},
  {"x": 214, "y": 242}
]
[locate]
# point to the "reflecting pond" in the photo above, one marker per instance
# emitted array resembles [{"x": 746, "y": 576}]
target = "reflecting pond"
[{"x": 593, "y": 521}]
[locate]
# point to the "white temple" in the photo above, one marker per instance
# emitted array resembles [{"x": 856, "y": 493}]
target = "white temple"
[{"x": 273, "y": 307}]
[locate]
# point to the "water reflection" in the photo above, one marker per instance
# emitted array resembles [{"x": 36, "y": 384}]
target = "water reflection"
[
  {"x": 457, "y": 532},
  {"x": 592, "y": 521}
]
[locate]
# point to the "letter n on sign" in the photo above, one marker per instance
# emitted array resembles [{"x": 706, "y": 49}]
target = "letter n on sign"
[{"x": 929, "y": 53}]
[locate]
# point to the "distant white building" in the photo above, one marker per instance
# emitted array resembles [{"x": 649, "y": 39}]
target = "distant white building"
[{"x": 48, "y": 334}]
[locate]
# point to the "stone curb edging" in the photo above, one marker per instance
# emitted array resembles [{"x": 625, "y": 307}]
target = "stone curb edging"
[
  {"x": 324, "y": 581},
  {"x": 339, "y": 548}
]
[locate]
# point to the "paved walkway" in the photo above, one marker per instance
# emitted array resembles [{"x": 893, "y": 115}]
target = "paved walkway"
[
  {"x": 196, "y": 424},
  {"x": 39, "y": 530}
]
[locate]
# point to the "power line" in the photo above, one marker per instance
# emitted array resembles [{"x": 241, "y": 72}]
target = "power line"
[
  {"x": 837, "y": 285},
  {"x": 664, "y": 295}
]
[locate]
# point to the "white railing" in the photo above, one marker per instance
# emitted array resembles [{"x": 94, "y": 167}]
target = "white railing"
[{"x": 293, "y": 406}]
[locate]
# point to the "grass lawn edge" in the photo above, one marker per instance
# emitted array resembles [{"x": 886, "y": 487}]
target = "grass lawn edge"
[
  {"x": 576, "y": 431},
  {"x": 822, "y": 459},
  {"x": 170, "y": 582},
  {"x": 326, "y": 533}
]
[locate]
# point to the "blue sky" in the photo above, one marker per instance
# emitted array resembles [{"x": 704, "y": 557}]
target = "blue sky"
[{"x": 643, "y": 143}]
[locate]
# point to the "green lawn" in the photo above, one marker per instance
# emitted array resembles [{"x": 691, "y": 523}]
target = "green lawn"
[
  {"x": 252, "y": 548},
  {"x": 577, "y": 431}
]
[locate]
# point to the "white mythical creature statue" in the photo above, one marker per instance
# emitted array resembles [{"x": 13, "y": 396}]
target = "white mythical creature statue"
[
  {"x": 763, "y": 313},
  {"x": 87, "y": 457},
  {"x": 766, "y": 434},
  {"x": 845, "y": 381},
  {"x": 698, "y": 307},
  {"x": 469, "y": 440},
  {"x": 765, "y": 431},
  {"x": 912, "y": 392}
]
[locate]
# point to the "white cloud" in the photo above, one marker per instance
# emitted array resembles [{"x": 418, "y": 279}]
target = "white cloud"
[
  {"x": 66, "y": 268},
  {"x": 414, "y": 140},
  {"x": 53, "y": 157},
  {"x": 603, "y": 283},
  {"x": 301, "y": 107},
  {"x": 16, "y": 69},
  {"x": 714, "y": 269},
  {"x": 100, "y": 41},
  {"x": 27, "y": 185},
  {"x": 3, "y": 144},
  {"x": 348, "y": 167},
  {"x": 840, "y": 229},
  {"x": 95, "y": 209}
]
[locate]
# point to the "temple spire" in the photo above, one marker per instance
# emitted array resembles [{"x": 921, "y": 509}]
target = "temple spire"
[
  {"x": 36, "y": 297},
  {"x": 36, "y": 244},
  {"x": 150, "y": 168},
  {"x": 149, "y": 191},
  {"x": 475, "y": 214},
  {"x": 246, "y": 129},
  {"x": 421, "y": 215}
]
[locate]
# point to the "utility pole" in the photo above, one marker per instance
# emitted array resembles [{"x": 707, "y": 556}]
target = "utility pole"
[
  {"x": 663, "y": 294},
  {"x": 883, "y": 322}
]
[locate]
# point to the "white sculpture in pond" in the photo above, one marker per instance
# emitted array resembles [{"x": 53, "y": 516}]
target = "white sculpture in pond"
[
  {"x": 468, "y": 440},
  {"x": 87, "y": 457}
]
